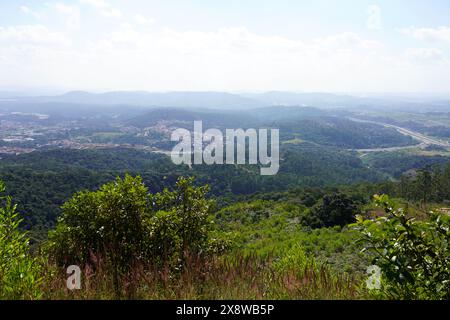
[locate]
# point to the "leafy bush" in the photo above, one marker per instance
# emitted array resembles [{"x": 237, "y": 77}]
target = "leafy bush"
[
  {"x": 414, "y": 256},
  {"x": 20, "y": 273},
  {"x": 108, "y": 222},
  {"x": 180, "y": 223},
  {"x": 295, "y": 258},
  {"x": 124, "y": 226},
  {"x": 335, "y": 210}
]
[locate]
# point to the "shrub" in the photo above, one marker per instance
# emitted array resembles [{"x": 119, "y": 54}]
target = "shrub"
[
  {"x": 106, "y": 222},
  {"x": 20, "y": 273},
  {"x": 414, "y": 256},
  {"x": 335, "y": 210},
  {"x": 123, "y": 226},
  {"x": 181, "y": 220}
]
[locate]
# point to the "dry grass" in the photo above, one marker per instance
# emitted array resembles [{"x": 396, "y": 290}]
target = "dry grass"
[{"x": 235, "y": 277}]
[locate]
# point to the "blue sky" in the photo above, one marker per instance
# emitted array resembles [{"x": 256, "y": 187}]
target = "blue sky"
[{"x": 246, "y": 45}]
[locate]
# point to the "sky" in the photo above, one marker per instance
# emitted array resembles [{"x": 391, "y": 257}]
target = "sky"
[{"x": 233, "y": 45}]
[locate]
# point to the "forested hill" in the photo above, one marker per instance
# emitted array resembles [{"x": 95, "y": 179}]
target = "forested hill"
[{"x": 42, "y": 181}]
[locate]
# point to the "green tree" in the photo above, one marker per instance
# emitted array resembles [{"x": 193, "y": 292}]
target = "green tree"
[
  {"x": 125, "y": 226},
  {"x": 414, "y": 256},
  {"x": 20, "y": 273},
  {"x": 105, "y": 224},
  {"x": 425, "y": 184},
  {"x": 445, "y": 183},
  {"x": 334, "y": 210},
  {"x": 185, "y": 211}
]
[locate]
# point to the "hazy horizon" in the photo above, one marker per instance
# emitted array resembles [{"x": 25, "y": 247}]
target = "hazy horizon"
[{"x": 53, "y": 92}]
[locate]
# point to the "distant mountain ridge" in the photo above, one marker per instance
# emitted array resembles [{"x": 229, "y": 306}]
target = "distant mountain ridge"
[
  {"x": 214, "y": 100},
  {"x": 233, "y": 101}
]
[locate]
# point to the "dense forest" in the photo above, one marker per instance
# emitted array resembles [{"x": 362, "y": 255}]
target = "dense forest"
[{"x": 41, "y": 181}]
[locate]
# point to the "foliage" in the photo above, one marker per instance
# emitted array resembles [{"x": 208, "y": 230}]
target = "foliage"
[
  {"x": 20, "y": 273},
  {"x": 335, "y": 210},
  {"x": 181, "y": 224},
  {"x": 295, "y": 258},
  {"x": 106, "y": 222},
  {"x": 414, "y": 256},
  {"x": 339, "y": 132},
  {"x": 395, "y": 164},
  {"x": 125, "y": 226},
  {"x": 427, "y": 185},
  {"x": 42, "y": 181},
  {"x": 273, "y": 228}
]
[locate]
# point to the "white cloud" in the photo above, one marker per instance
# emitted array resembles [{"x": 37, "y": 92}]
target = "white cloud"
[
  {"x": 26, "y": 10},
  {"x": 227, "y": 59},
  {"x": 441, "y": 34},
  {"x": 234, "y": 58},
  {"x": 72, "y": 15},
  {"x": 103, "y": 7},
  {"x": 374, "y": 19},
  {"x": 425, "y": 54},
  {"x": 32, "y": 34},
  {"x": 349, "y": 41},
  {"x": 140, "y": 19}
]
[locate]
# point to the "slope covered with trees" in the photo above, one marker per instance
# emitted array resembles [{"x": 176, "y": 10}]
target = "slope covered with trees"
[{"x": 42, "y": 181}]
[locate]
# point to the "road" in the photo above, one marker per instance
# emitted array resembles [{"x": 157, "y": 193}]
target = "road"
[{"x": 425, "y": 141}]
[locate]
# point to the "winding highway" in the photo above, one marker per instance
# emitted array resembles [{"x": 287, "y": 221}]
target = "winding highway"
[{"x": 424, "y": 140}]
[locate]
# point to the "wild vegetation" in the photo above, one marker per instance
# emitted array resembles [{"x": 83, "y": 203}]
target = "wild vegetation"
[
  {"x": 176, "y": 244},
  {"x": 413, "y": 255},
  {"x": 20, "y": 272}
]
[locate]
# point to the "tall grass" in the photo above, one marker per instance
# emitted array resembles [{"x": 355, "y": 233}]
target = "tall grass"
[{"x": 231, "y": 277}]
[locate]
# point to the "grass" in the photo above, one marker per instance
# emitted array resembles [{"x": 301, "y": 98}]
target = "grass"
[{"x": 235, "y": 277}]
